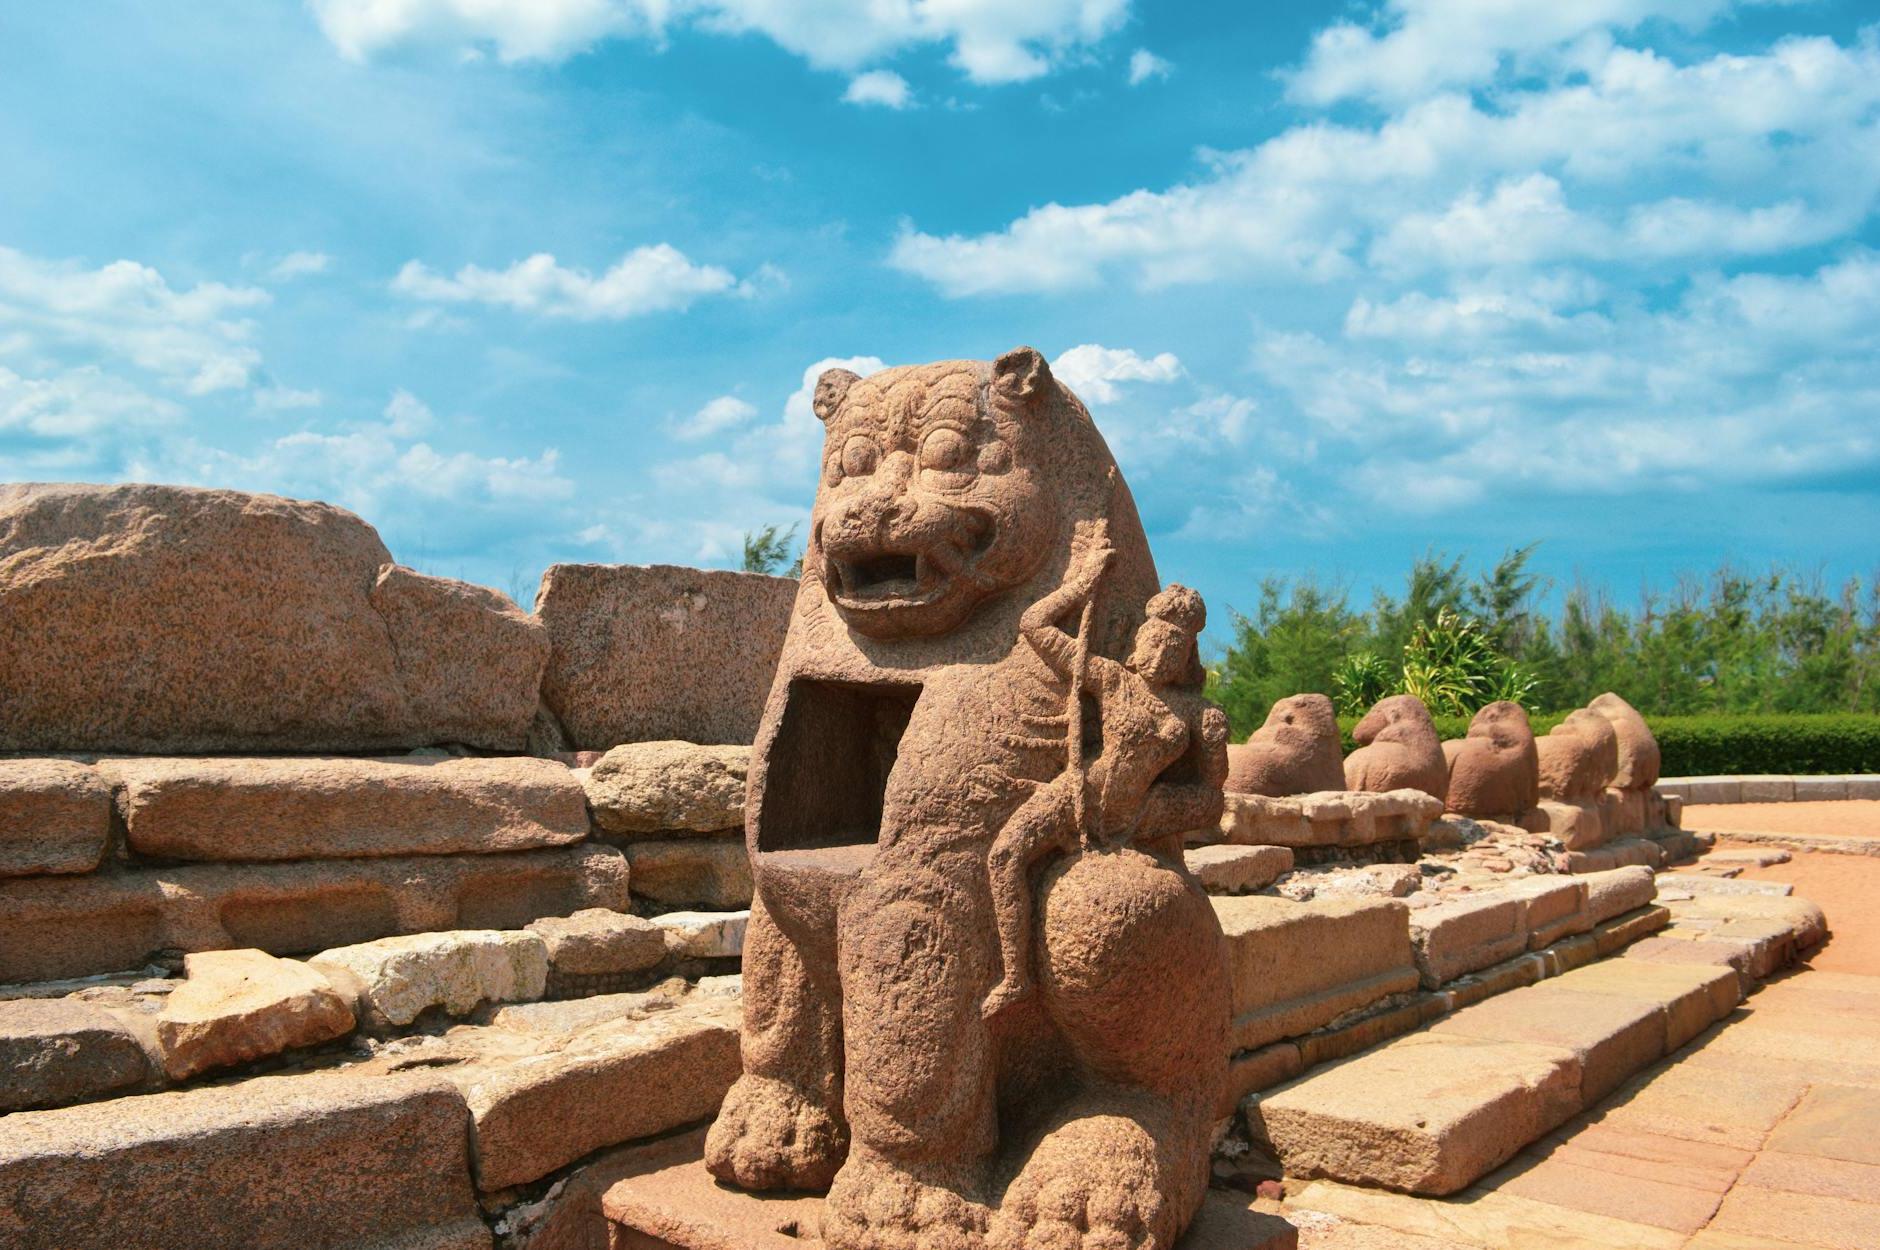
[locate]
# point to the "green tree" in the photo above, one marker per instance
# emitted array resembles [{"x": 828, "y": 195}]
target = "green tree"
[{"x": 768, "y": 551}]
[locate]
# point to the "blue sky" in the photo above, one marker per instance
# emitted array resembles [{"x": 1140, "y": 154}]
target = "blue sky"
[{"x": 523, "y": 281}]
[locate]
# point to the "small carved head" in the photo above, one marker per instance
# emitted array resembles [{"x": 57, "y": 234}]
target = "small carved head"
[
  {"x": 1166, "y": 651},
  {"x": 929, "y": 503}
]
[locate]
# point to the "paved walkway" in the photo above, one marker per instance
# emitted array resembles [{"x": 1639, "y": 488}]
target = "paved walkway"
[
  {"x": 1853, "y": 820},
  {"x": 1763, "y": 1134}
]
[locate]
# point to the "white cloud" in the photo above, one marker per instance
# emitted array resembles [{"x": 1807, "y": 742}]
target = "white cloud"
[
  {"x": 718, "y": 415},
  {"x": 298, "y": 265},
  {"x": 1430, "y": 45},
  {"x": 881, "y": 87},
  {"x": 380, "y": 470},
  {"x": 407, "y": 416},
  {"x": 988, "y": 42},
  {"x": 1092, "y": 371},
  {"x": 76, "y": 404},
  {"x": 1439, "y": 402},
  {"x": 284, "y": 398},
  {"x": 652, "y": 279},
  {"x": 1145, "y": 65},
  {"x": 1633, "y": 158},
  {"x": 194, "y": 339}
]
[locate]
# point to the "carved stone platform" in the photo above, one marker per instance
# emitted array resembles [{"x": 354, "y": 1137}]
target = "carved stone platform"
[{"x": 668, "y": 1201}]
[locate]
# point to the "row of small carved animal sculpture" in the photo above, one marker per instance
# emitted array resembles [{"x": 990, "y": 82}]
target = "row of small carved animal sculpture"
[{"x": 1499, "y": 769}]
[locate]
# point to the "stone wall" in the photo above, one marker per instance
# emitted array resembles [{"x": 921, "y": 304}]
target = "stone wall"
[{"x": 169, "y": 619}]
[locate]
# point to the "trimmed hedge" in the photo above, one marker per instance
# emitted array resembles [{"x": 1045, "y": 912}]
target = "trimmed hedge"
[{"x": 1726, "y": 745}]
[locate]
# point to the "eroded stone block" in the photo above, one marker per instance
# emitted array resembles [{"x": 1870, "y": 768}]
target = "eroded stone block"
[
  {"x": 274, "y": 1163},
  {"x": 55, "y": 817},
  {"x": 1360, "y": 954},
  {"x": 642, "y": 653},
  {"x": 55, "y": 1051},
  {"x": 334, "y": 808},
  {"x": 1452, "y": 938}
]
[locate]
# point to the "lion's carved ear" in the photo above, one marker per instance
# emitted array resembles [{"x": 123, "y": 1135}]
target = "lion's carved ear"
[
  {"x": 1021, "y": 374},
  {"x": 831, "y": 388}
]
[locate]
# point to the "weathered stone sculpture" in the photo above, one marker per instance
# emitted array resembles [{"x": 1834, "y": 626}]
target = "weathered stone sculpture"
[
  {"x": 1297, "y": 751},
  {"x": 1494, "y": 772},
  {"x": 1632, "y": 806},
  {"x": 1398, "y": 749},
  {"x": 1579, "y": 758},
  {"x": 986, "y": 730}
]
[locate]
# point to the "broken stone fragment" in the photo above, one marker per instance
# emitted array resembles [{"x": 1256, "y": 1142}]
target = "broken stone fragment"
[
  {"x": 649, "y": 787},
  {"x": 240, "y": 1005},
  {"x": 394, "y": 979},
  {"x": 705, "y": 934},
  {"x": 597, "y": 941}
]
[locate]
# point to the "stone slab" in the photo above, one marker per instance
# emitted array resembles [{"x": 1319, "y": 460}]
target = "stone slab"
[
  {"x": 271, "y": 1163},
  {"x": 1450, "y": 939},
  {"x": 692, "y": 873},
  {"x": 1427, "y": 1114},
  {"x": 107, "y": 922},
  {"x": 1556, "y": 907},
  {"x": 235, "y": 1006},
  {"x": 1361, "y": 953},
  {"x": 337, "y": 808},
  {"x": 1767, "y": 789},
  {"x": 1329, "y": 819},
  {"x": 1693, "y": 996},
  {"x": 666, "y": 1200},
  {"x": 1613, "y": 936},
  {"x": 55, "y": 1051},
  {"x": 611, "y": 1084},
  {"x": 1225, "y": 869},
  {"x": 640, "y": 653},
  {"x": 1617, "y": 891},
  {"x": 55, "y": 817},
  {"x": 1611, "y": 1036},
  {"x": 599, "y": 942}
]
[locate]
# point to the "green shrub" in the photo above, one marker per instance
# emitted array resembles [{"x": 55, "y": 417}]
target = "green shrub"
[{"x": 1702, "y": 746}]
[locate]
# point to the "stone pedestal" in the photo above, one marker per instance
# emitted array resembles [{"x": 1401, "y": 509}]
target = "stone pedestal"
[{"x": 668, "y": 1201}]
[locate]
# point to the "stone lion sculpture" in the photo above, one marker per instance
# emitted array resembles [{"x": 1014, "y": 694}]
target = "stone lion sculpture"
[
  {"x": 985, "y": 1005},
  {"x": 1494, "y": 771},
  {"x": 1398, "y": 749},
  {"x": 1297, "y": 751}
]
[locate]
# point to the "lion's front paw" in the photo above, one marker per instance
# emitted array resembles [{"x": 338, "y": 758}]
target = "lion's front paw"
[
  {"x": 877, "y": 1205},
  {"x": 1095, "y": 1182},
  {"x": 769, "y": 1136}
]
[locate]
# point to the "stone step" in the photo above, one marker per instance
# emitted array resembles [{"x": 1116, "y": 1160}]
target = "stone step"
[
  {"x": 245, "y": 809},
  {"x": 1431, "y": 1112},
  {"x": 54, "y": 927},
  {"x": 379, "y": 1162}
]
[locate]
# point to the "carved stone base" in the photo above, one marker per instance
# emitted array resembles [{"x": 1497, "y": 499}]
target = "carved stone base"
[{"x": 668, "y": 1201}]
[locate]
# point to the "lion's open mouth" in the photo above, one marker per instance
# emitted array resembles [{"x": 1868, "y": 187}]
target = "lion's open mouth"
[{"x": 892, "y": 578}]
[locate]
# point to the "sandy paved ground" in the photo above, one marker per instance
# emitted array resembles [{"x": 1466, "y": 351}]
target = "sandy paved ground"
[
  {"x": 1846, "y": 818},
  {"x": 1763, "y": 1134}
]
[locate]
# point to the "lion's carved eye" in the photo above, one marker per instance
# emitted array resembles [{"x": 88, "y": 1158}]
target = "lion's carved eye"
[
  {"x": 944, "y": 449},
  {"x": 860, "y": 455}
]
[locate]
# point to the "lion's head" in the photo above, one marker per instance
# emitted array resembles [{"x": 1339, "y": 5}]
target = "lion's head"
[{"x": 930, "y": 502}]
